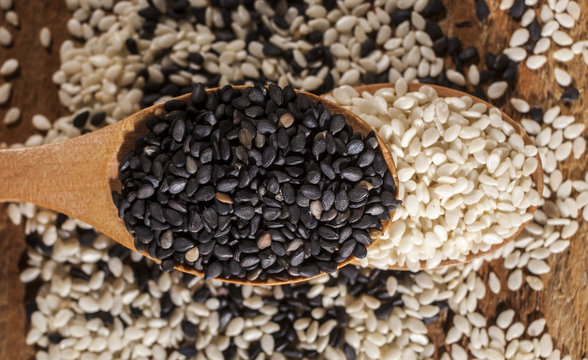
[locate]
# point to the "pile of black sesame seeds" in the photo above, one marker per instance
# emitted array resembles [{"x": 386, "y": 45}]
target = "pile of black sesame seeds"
[{"x": 256, "y": 183}]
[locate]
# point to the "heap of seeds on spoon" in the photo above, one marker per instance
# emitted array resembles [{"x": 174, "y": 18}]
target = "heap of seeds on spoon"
[
  {"x": 464, "y": 174},
  {"x": 122, "y": 306},
  {"x": 253, "y": 183}
]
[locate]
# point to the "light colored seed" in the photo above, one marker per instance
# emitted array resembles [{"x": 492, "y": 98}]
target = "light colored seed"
[
  {"x": 563, "y": 121},
  {"x": 573, "y": 131},
  {"x": 516, "y": 54},
  {"x": 41, "y": 122},
  {"x": 458, "y": 353},
  {"x": 12, "y": 18},
  {"x": 534, "y": 282},
  {"x": 562, "y": 77},
  {"x": 497, "y": 89},
  {"x": 541, "y": 46},
  {"x": 536, "y": 327},
  {"x": 563, "y": 151},
  {"x": 535, "y": 62},
  {"x": 45, "y": 37},
  {"x": 578, "y": 147},
  {"x": 88, "y": 304},
  {"x": 515, "y": 280},
  {"x": 5, "y": 37},
  {"x": 493, "y": 282},
  {"x": 29, "y": 274},
  {"x": 550, "y": 115},
  {"x": 545, "y": 14},
  {"x": 515, "y": 331},
  {"x": 5, "y": 90},
  {"x": 519, "y": 37},
  {"x": 192, "y": 254},
  {"x": 455, "y": 77},
  {"x": 474, "y": 75},
  {"x": 506, "y": 4},
  {"x": 574, "y": 10},
  {"x": 565, "y": 20},
  {"x": 561, "y": 38},
  {"x": 12, "y": 116},
  {"x": 505, "y": 318},
  {"x": 528, "y": 17},
  {"x": 563, "y": 55},
  {"x": 9, "y": 67},
  {"x": 549, "y": 28},
  {"x": 545, "y": 345},
  {"x": 520, "y": 105},
  {"x": 538, "y": 267}
]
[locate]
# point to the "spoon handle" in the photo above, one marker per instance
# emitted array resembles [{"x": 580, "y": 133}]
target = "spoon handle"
[{"x": 68, "y": 176}]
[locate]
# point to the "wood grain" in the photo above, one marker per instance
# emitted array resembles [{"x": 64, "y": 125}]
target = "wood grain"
[{"x": 564, "y": 302}]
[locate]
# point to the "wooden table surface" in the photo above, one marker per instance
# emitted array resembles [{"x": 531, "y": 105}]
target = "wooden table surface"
[{"x": 563, "y": 302}]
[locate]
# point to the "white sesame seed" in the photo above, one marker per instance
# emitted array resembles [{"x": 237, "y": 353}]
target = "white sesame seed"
[
  {"x": 561, "y": 38},
  {"x": 505, "y": 318},
  {"x": 534, "y": 282},
  {"x": 545, "y": 14},
  {"x": 12, "y": 116},
  {"x": 506, "y": 4},
  {"x": 520, "y": 105},
  {"x": 574, "y": 10},
  {"x": 541, "y": 46},
  {"x": 563, "y": 55},
  {"x": 9, "y": 67},
  {"x": 528, "y": 17},
  {"x": 5, "y": 90},
  {"x": 563, "y": 121},
  {"x": 572, "y": 131},
  {"x": 578, "y": 147},
  {"x": 12, "y": 18},
  {"x": 497, "y": 89},
  {"x": 40, "y": 122},
  {"x": 5, "y": 37},
  {"x": 515, "y": 53},
  {"x": 494, "y": 283},
  {"x": 519, "y": 37},
  {"x": 515, "y": 331},
  {"x": 535, "y": 62},
  {"x": 473, "y": 75},
  {"x": 538, "y": 267},
  {"x": 578, "y": 46},
  {"x": 45, "y": 37},
  {"x": 456, "y": 77},
  {"x": 565, "y": 20},
  {"x": 549, "y": 28},
  {"x": 562, "y": 77},
  {"x": 515, "y": 280},
  {"x": 545, "y": 345}
]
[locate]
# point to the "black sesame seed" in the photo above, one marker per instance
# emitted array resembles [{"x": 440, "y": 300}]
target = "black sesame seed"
[
  {"x": 81, "y": 119},
  {"x": 570, "y": 94},
  {"x": 482, "y": 11}
]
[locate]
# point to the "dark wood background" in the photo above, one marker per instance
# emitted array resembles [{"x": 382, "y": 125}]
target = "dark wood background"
[{"x": 563, "y": 302}]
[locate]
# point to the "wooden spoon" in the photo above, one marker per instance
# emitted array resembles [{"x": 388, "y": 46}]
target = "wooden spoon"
[
  {"x": 537, "y": 176},
  {"x": 76, "y": 177}
]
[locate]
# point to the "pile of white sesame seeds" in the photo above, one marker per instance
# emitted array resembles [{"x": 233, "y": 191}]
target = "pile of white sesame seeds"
[{"x": 464, "y": 174}]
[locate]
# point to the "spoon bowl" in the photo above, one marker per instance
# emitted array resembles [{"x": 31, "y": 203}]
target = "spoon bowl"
[
  {"x": 537, "y": 176},
  {"x": 77, "y": 177}
]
